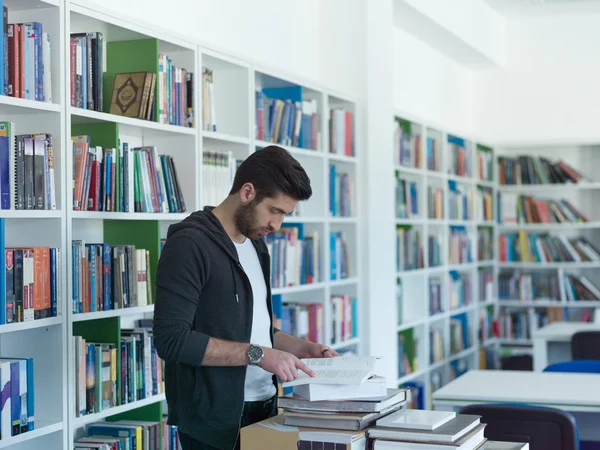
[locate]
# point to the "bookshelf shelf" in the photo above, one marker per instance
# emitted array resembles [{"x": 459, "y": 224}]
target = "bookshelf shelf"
[
  {"x": 30, "y": 214},
  {"x": 136, "y": 310},
  {"x": 214, "y": 136},
  {"x": 298, "y": 288},
  {"x": 100, "y": 215},
  {"x": 79, "y": 116},
  {"x": 96, "y": 417},
  {"x": 11, "y": 105},
  {"x": 24, "y": 326},
  {"x": 43, "y": 429},
  {"x": 448, "y": 204},
  {"x": 557, "y": 212}
]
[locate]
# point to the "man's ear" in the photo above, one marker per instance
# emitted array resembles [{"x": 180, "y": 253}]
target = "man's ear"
[{"x": 247, "y": 193}]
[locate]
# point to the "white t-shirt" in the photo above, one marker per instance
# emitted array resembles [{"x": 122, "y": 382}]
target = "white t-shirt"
[{"x": 259, "y": 384}]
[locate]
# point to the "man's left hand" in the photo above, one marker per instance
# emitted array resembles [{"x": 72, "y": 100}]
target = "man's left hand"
[{"x": 320, "y": 351}]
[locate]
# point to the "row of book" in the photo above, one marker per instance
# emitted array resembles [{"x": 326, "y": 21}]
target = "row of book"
[
  {"x": 26, "y": 64},
  {"x": 487, "y": 325},
  {"x": 341, "y": 132},
  {"x": 525, "y": 169},
  {"x": 284, "y": 117},
  {"x": 436, "y": 299},
  {"x": 485, "y": 162},
  {"x": 307, "y": 321},
  {"x": 113, "y": 374},
  {"x": 31, "y": 284},
  {"x": 218, "y": 172},
  {"x": 108, "y": 277},
  {"x": 459, "y": 246},
  {"x": 483, "y": 204},
  {"x": 407, "y": 201},
  {"x": 129, "y": 434},
  {"x": 516, "y": 208},
  {"x": 165, "y": 96},
  {"x": 108, "y": 179},
  {"x": 459, "y": 201},
  {"x": 17, "y": 410},
  {"x": 546, "y": 286},
  {"x": 460, "y": 293},
  {"x": 407, "y": 145},
  {"x": 409, "y": 249},
  {"x": 545, "y": 247},
  {"x": 459, "y": 159},
  {"x": 27, "y": 175},
  {"x": 435, "y": 203},
  {"x": 209, "y": 110},
  {"x": 341, "y": 193},
  {"x": 460, "y": 335},
  {"x": 487, "y": 291},
  {"x": 485, "y": 244}
]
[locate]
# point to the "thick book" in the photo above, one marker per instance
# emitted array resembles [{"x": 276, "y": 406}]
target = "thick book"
[
  {"x": 370, "y": 404},
  {"x": 450, "y": 432},
  {"x": 373, "y": 387},
  {"x": 416, "y": 419}
]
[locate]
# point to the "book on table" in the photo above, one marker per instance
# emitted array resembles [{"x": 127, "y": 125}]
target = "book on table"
[
  {"x": 410, "y": 429},
  {"x": 295, "y": 402}
]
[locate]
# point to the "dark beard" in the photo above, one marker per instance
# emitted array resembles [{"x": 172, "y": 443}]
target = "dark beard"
[{"x": 245, "y": 220}]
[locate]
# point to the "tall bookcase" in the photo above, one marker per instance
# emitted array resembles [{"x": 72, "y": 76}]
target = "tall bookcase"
[
  {"x": 225, "y": 130},
  {"x": 537, "y": 217},
  {"x": 446, "y": 265}
]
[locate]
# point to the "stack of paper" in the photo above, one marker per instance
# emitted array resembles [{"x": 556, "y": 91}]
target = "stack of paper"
[{"x": 428, "y": 430}]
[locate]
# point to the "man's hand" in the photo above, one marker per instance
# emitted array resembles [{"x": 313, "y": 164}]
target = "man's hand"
[
  {"x": 319, "y": 351},
  {"x": 283, "y": 364}
]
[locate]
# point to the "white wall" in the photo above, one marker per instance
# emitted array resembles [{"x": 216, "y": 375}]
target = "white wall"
[
  {"x": 431, "y": 86},
  {"x": 549, "y": 87},
  {"x": 282, "y": 34}
]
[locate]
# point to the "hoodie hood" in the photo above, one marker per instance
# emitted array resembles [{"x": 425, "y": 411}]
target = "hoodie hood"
[{"x": 205, "y": 222}]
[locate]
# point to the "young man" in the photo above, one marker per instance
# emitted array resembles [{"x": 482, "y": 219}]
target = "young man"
[{"x": 213, "y": 314}]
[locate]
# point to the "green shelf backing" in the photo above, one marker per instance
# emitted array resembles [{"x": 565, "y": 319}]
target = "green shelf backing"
[
  {"x": 103, "y": 331},
  {"x": 409, "y": 347},
  {"x": 139, "y": 55},
  {"x": 106, "y": 135},
  {"x": 140, "y": 233}
]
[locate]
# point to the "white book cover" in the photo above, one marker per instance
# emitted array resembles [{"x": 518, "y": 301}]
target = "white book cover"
[{"x": 416, "y": 419}]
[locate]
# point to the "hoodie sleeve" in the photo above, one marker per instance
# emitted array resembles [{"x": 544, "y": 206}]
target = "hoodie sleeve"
[{"x": 181, "y": 273}]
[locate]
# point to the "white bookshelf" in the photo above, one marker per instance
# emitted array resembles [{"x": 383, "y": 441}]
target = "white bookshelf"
[
  {"x": 416, "y": 319},
  {"x": 532, "y": 311},
  {"x": 50, "y": 341}
]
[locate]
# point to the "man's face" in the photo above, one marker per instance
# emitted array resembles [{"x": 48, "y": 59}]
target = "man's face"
[{"x": 256, "y": 220}]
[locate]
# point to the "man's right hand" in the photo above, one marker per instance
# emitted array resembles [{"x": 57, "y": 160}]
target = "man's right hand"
[{"x": 283, "y": 364}]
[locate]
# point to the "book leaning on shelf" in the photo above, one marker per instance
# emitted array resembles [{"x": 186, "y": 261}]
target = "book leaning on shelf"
[
  {"x": 107, "y": 179},
  {"x": 533, "y": 170},
  {"x": 108, "y": 277},
  {"x": 124, "y": 434}
]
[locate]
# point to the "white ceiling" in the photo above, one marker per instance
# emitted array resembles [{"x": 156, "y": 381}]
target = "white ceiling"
[{"x": 524, "y": 8}]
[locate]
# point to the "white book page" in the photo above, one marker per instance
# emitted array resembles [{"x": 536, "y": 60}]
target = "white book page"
[{"x": 336, "y": 370}]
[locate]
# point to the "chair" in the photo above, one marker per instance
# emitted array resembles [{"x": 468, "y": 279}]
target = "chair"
[
  {"x": 585, "y": 345},
  {"x": 578, "y": 366},
  {"x": 544, "y": 428}
]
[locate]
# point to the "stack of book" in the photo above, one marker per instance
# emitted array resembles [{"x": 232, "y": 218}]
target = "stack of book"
[
  {"x": 339, "y": 403},
  {"x": 427, "y": 429}
]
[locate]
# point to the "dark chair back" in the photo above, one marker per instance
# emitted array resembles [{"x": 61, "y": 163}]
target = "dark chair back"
[
  {"x": 543, "y": 428},
  {"x": 585, "y": 345}
]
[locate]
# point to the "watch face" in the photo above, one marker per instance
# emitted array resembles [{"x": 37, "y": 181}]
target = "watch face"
[{"x": 255, "y": 353}]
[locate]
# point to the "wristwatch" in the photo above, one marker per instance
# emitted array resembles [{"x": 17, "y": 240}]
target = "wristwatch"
[{"x": 255, "y": 354}]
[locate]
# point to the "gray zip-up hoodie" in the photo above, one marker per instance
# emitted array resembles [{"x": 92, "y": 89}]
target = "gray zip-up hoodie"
[{"x": 201, "y": 292}]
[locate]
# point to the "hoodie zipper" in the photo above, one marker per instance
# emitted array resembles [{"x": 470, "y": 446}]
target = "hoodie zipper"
[{"x": 251, "y": 317}]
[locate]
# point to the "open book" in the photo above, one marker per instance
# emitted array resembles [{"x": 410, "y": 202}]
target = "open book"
[{"x": 336, "y": 370}]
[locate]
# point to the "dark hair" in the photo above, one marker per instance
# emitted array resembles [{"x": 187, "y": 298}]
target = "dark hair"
[{"x": 273, "y": 170}]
